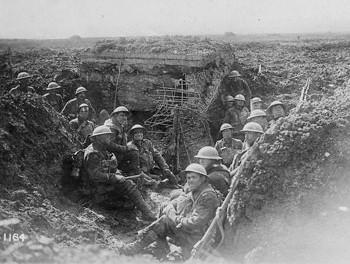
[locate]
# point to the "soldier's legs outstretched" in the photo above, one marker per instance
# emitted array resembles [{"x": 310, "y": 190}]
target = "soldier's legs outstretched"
[{"x": 130, "y": 189}]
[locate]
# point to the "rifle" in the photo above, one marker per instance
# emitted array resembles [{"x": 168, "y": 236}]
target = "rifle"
[{"x": 200, "y": 248}]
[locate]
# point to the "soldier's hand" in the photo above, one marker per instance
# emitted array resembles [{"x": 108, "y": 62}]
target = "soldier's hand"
[
  {"x": 119, "y": 178},
  {"x": 172, "y": 178}
]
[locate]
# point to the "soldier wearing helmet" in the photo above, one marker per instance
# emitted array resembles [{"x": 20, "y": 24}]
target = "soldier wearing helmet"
[
  {"x": 237, "y": 115},
  {"x": 228, "y": 146},
  {"x": 252, "y": 131},
  {"x": 101, "y": 178},
  {"x": 71, "y": 108},
  {"x": 81, "y": 125},
  {"x": 259, "y": 116},
  {"x": 184, "y": 219},
  {"x": 218, "y": 173},
  {"x": 127, "y": 155},
  {"x": 23, "y": 79},
  {"x": 150, "y": 156},
  {"x": 276, "y": 110},
  {"x": 256, "y": 103},
  {"x": 235, "y": 84},
  {"x": 52, "y": 97}
]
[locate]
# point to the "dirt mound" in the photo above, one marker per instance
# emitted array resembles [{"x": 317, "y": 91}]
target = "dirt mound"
[
  {"x": 36, "y": 220},
  {"x": 293, "y": 200}
]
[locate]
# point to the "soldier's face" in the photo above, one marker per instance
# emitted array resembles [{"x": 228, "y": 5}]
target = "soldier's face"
[
  {"x": 240, "y": 102},
  {"x": 120, "y": 118},
  {"x": 204, "y": 162},
  {"x": 229, "y": 104},
  {"x": 277, "y": 111},
  {"x": 105, "y": 139},
  {"x": 84, "y": 112},
  {"x": 194, "y": 180},
  {"x": 257, "y": 105},
  {"x": 138, "y": 135},
  {"x": 81, "y": 96},
  {"x": 24, "y": 82},
  {"x": 250, "y": 137},
  {"x": 227, "y": 133}
]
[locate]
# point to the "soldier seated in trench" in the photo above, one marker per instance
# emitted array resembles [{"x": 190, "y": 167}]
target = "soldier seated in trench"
[
  {"x": 228, "y": 146},
  {"x": 82, "y": 126},
  {"x": 101, "y": 179},
  {"x": 185, "y": 219},
  {"x": 127, "y": 155},
  {"x": 150, "y": 158}
]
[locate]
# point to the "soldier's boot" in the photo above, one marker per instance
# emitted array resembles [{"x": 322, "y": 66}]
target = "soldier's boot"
[
  {"x": 140, "y": 203},
  {"x": 136, "y": 247}
]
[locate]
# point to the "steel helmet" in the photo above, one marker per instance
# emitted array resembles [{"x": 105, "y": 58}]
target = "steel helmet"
[
  {"x": 239, "y": 97},
  {"x": 256, "y": 100},
  {"x": 80, "y": 90},
  {"x": 253, "y": 127},
  {"x": 101, "y": 130},
  {"x": 120, "y": 109},
  {"x": 234, "y": 74},
  {"x": 83, "y": 105},
  {"x": 197, "y": 168},
  {"x": 23, "y": 75},
  {"x": 52, "y": 86},
  {"x": 134, "y": 127},
  {"x": 208, "y": 153},
  {"x": 256, "y": 113},
  {"x": 225, "y": 126},
  {"x": 229, "y": 98}
]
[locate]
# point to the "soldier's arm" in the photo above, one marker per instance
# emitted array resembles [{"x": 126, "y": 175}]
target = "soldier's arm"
[
  {"x": 66, "y": 108},
  {"x": 116, "y": 148},
  {"x": 158, "y": 157},
  {"x": 247, "y": 90},
  {"x": 94, "y": 170},
  {"x": 202, "y": 214}
]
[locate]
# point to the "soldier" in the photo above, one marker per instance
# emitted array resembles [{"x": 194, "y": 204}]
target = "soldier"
[
  {"x": 70, "y": 110},
  {"x": 99, "y": 174},
  {"x": 237, "y": 115},
  {"x": 276, "y": 110},
  {"x": 256, "y": 103},
  {"x": 23, "y": 84},
  {"x": 228, "y": 146},
  {"x": 259, "y": 116},
  {"x": 149, "y": 156},
  {"x": 52, "y": 97},
  {"x": 184, "y": 219},
  {"x": 236, "y": 85},
  {"x": 81, "y": 124},
  {"x": 127, "y": 155},
  {"x": 218, "y": 174},
  {"x": 252, "y": 131}
]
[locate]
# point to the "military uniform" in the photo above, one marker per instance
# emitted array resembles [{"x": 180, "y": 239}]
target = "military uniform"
[
  {"x": 236, "y": 118},
  {"x": 227, "y": 149},
  {"x": 219, "y": 177},
  {"x": 185, "y": 220},
  {"x": 84, "y": 128},
  {"x": 129, "y": 161},
  {"x": 71, "y": 109},
  {"x": 240, "y": 86},
  {"x": 55, "y": 100},
  {"x": 150, "y": 158},
  {"x": 101, "y": 179},
  {"x": 29, "y": 89}
]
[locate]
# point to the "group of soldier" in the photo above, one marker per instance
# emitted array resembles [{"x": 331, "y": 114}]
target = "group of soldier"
[{"x": 112, "y": 167}]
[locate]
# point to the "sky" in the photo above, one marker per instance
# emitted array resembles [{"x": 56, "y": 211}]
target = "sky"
[{"x": 113, "y": 18}]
